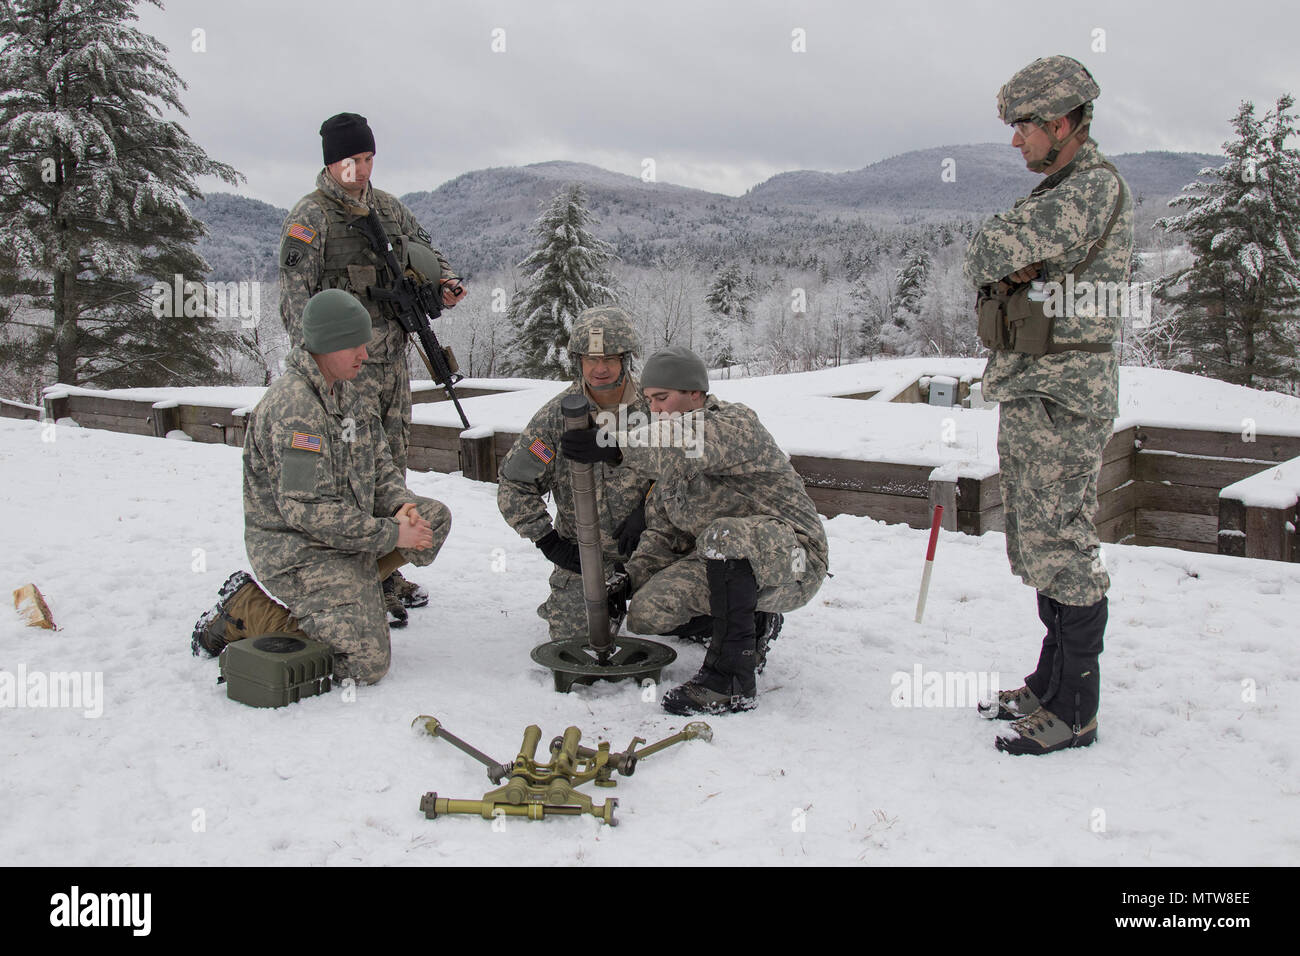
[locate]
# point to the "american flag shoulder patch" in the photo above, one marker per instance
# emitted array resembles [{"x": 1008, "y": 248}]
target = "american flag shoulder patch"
[
  {"x": 304, "y": 442},
  {"x": 540, "y": 449},
  {"x": 302, "y": 232}
]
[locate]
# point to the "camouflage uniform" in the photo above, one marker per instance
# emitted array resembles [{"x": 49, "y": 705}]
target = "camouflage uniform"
[
  {"x": 1057, "y": 410},
  {"x": 535, "y": 467},
  {"x": 320, "y": 488},
  {"x": 739, "y": 498},
  {"x": 319, "y": 251}
]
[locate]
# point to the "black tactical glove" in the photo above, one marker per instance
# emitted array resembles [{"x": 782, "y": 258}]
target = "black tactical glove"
[
  {"x": 561, "y": 552},
  {"x": 582, "y": 444},
  {"x": 629, "y": 532}
]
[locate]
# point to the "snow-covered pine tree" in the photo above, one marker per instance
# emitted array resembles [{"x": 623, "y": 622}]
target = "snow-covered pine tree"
[
  {"x": 911, "y": 281},
  {"x": 91, "y": 185},
  {"x": 728, "y": 300},
  {"x": 1238, "y": 304},
  {"x": 567, "y": 271}
]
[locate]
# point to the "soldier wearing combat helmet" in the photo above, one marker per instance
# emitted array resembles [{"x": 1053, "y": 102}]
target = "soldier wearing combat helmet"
[
  {"x": 732, "y": 540},
  {"x": 602, "y": 344},
  {"x": 1053, "y": 369},
  {"x": 320, "y": 248}
]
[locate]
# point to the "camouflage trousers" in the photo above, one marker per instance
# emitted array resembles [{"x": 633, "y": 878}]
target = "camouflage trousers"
[
  {"x": 565, "y": 609},
  {"x": 1050, "y": 460},
  {"x": 386, "y": 387},
  {"x": 338, "y": 600},
  {"x": 788, "y": 572}
]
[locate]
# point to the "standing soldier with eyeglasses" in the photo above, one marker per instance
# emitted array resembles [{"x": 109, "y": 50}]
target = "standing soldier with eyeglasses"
[
  {"x": 320, "y": 248},
  {"x": 1056, "y": 377}
]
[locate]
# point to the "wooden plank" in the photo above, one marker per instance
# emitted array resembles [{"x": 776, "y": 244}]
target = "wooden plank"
[
  {"x": 980, "y": 522},
  {"x": 1120, "y": 445},
  {"x": 1117, "y": 529},
  {"x": 31, "y": 413},
  {"x": 882, "y": 478},
  {"x": 1187, "y": 499},
  {"x": 439, "y": 437},
  {"x": 109, "y": 407},
  {"x": 419, "y": 458},
  {"x": 205, "y": 434},
  {"x": 478, "y": 458},
  {"x": 428, "y": 394},
  {"x": 165, "y": 419},
  {"x": 1171, "y": 524},
  {"x": 1275, "y": 448},
  {"x": 944, "y": 494},
  {"x": 55, "y": 408},
  {"x": 114, "y": 423},
  {"x": 979, "y": 494},
  {"x": 1116, "y": 502},
  {"x": 1181, "y": 545},
  {"x": 207, "y": 415},
  {"x": 892, "y": 509},
  {"x": 1232, "y": 527},
  {"x": 910, "y": 394},
  {"x": 1266, "y": 534},
  {"x": 1191, "y": 470},
  {"x": 1114, "y": 474}
]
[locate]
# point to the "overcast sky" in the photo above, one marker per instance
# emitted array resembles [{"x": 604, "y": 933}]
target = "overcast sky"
[{"x": 713, "y": 92}]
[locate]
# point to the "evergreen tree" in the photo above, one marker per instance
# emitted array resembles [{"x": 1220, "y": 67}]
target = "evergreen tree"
[
  {"x": 728, "y": 299},
  {"x": 92, "y": 181},
  {"x": 567, "y": 272},
  {"x": 912, "y": 279},
  {"x": 1237, "y": 305}
]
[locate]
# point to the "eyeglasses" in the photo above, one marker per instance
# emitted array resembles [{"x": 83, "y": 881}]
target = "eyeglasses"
[{"x": 1025, "y": 127}]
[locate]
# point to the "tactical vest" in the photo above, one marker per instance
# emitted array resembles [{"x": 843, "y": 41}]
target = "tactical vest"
[
  {"x": 1013, "y": 318},
  {"x": 351, "y": 265}
]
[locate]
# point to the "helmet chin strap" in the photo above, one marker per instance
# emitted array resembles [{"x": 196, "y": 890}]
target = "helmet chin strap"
[{"x": 1041, "y": 165}]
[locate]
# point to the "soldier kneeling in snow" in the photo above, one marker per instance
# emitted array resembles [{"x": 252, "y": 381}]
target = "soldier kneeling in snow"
[
  {"x": 327, "y": 515},
  {"x": 731, "y": 536}
]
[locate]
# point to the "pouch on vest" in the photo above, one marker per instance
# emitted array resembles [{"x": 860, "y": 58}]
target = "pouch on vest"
[
  {"x": 1029, "y": 328},
  {"x": 991, "y": 326}
]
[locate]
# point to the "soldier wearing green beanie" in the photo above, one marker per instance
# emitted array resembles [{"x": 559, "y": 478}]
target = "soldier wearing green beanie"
[{"x": 327, "y": 515}]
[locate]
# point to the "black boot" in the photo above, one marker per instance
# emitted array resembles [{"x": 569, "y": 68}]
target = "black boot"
[{"x": 725, "y": 684}]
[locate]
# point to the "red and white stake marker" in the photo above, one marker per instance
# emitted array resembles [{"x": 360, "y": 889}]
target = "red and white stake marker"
[{"x": 929, "y": 563}]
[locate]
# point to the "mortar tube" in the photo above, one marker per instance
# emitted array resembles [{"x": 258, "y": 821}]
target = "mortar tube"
[{"x": 577, "y": 415}]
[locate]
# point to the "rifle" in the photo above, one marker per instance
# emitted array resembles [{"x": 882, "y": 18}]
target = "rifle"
[{"x": 414, "y": 306}]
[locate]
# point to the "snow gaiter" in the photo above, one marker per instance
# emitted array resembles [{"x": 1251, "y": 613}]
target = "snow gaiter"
[
  {"x": 1041, "y": 679},
  {"x": 1075, "y": 691},
  {"x": 733, "y": 598}
]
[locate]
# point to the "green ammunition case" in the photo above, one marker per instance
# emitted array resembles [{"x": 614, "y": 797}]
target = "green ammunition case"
[{"x": 276, "y": 669}]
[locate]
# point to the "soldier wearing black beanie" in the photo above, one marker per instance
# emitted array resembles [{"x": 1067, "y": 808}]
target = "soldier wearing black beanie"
[
  {"x": 320, "y": 250},
  {"x": 344, "y": 135}
]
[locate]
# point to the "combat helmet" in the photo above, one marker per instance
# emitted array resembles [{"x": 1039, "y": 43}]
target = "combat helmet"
[
  {"x": 1045, "y": 90},
  {"x": 604, "y": 330}
]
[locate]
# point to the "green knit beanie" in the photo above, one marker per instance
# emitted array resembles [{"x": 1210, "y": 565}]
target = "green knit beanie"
[
  {"x": 675, "y": 367},
  {"x": 334, "y": 320}
]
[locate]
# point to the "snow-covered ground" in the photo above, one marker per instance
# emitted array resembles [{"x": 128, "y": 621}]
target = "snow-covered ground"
[{"x": 1198, "y": 760}]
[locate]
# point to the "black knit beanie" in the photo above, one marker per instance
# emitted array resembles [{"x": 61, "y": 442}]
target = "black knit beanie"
[{"x": 344, "y": 135}]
